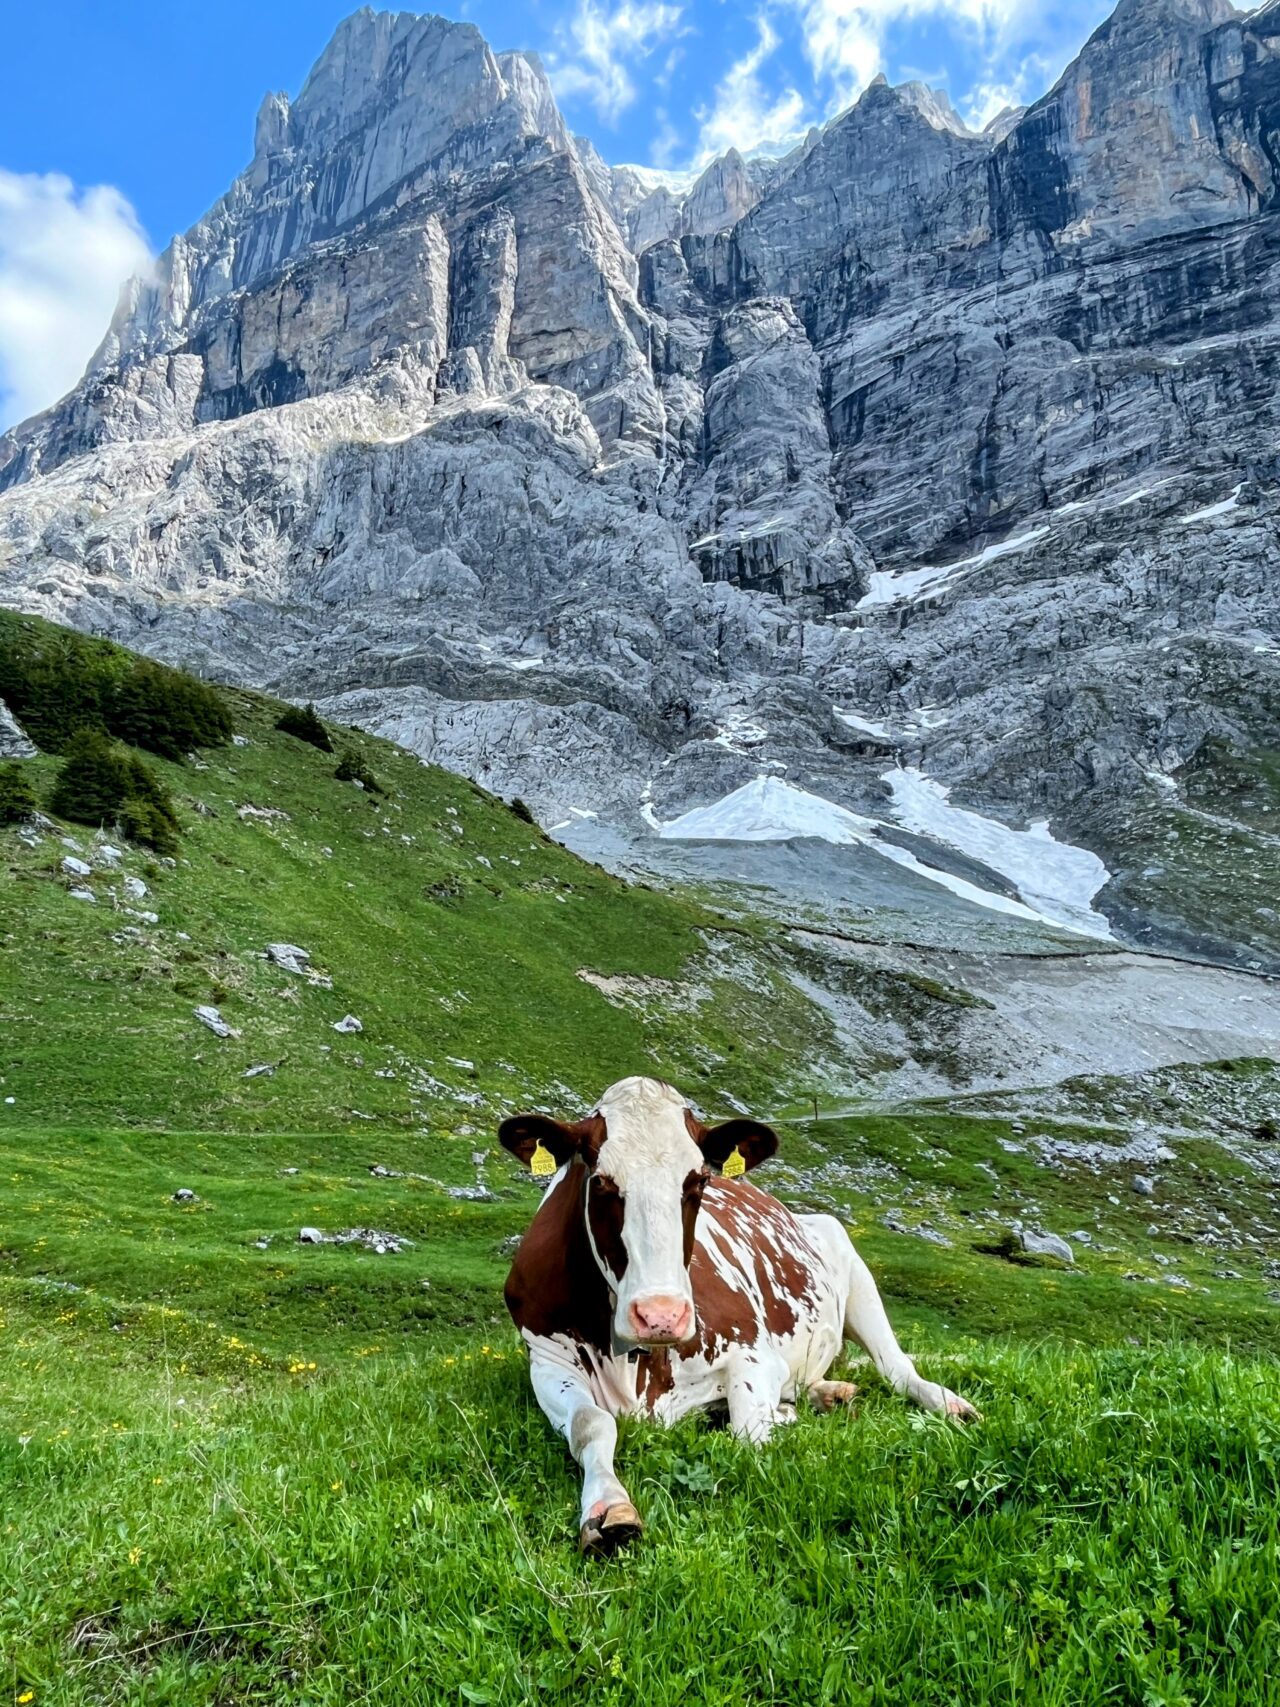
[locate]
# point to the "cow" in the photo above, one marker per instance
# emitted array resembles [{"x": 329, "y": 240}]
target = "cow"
[{"x": 655, "y": 1280}]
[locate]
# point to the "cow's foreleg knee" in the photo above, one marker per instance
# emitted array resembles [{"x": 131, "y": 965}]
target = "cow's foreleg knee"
[
  {"x": 756, "y": 1405},
  {"x": 866, "y": 1321}
]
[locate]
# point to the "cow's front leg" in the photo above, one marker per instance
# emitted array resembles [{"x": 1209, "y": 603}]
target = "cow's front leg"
[
  {"x": 755, "y": 1384},
  {"x": 608, "y": 1518}
]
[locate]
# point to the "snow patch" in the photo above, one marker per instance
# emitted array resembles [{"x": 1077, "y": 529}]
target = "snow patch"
[
  {"x": 1057, "y": 881},
  {"x": 771, "y": 810},
  {"x": 890, "y": 587},
  {"x": 1215, "y": 509},
  {"x": 862, "y": 725},
  {"x": 767, "y": 810}
]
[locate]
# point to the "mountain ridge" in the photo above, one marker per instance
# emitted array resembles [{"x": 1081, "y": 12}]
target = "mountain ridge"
[{"x": 415, "y": 422}]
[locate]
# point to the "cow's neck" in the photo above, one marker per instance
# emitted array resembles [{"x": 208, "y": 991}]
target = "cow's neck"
[{"x": 556, "y": 1286}]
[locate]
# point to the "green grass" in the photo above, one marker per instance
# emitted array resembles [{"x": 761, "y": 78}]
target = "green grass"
[
  {"x": 404, "y": 1534},
  {"x": 313, "y": 1475}
]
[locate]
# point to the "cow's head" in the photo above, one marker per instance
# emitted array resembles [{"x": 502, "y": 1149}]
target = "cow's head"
[{"x": 647, "y": 1159}]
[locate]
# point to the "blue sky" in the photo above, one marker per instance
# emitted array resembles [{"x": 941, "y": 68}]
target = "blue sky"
[{"x": 121, "y": 123}]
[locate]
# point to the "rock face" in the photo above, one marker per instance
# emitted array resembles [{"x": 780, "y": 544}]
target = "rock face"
[
  {"x": 14, "y": 743},
  {"x": 612, "y": 488}
]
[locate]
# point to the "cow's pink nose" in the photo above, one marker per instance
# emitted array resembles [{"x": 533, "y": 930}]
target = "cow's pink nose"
[{"x": 658, "y": 1320}]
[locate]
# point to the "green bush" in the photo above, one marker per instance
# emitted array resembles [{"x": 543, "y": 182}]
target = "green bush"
[
  {"x": 302, "y": 722},
  {"x": 57, "y": 684},
  {"x": 352, "y": 768},
  {"x": 17, "y": 797},
  {"x": 99, "y": 783}
]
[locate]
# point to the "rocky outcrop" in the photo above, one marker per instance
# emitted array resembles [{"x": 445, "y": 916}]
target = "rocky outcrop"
[
  {"x": 611, "y": 487},
  {"x": 14, "y": 743}
]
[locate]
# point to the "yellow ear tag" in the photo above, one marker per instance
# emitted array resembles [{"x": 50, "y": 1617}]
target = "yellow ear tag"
[
  {"x": 542, "y": 1164},
  {"x": 734, "y": 1166}
]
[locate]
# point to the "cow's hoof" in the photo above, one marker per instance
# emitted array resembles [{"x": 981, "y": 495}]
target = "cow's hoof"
[
  {"x": 826, "y": 1395},
  {"x": 960, "y": 1408},
  {"x": 601, "y": 1537}
]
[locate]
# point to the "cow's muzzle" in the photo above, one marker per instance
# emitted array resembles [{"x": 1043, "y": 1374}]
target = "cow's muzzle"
[{"x": 660, "y": 1321}]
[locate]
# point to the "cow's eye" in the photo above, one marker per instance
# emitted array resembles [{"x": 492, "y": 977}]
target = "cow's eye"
[{"x": 604, "y": 1186}]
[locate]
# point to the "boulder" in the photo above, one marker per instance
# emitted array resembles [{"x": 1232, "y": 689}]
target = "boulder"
[
  {"x": 1037, "y": 1243},
  {"x": 14, "y": 743},
  {"x": 348, "y": 1025},
  {"x": 289, "y": 956},
  {"x": 211, "y": 1017}
]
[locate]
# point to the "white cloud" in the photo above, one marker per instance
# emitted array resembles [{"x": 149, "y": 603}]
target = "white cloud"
[
  {"x": 743, "y": 115},
  {"x": 987, "y": 101},
  {"x": 666, "y": 139},
  {"x": 64, "y": 253},
  {"x": 844, "y": 40},
  {"x": 594, "y": 51}
]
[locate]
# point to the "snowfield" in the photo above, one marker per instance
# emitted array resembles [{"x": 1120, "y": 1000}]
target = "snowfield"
[{"x": 1055, "y": 882}]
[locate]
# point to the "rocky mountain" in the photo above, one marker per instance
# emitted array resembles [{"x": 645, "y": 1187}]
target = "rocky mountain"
[{"x": 918, "y": 461}]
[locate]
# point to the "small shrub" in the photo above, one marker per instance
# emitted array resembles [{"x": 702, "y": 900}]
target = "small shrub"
[
  {"x": 100, "y": 783},
  {"x": 302, "y": 722},
  {"x": 17, "y": 797},
  {"x": 352, "y": 768},
  {"x": 144, "y": 822},
  {"x": 521, "y": 811}
]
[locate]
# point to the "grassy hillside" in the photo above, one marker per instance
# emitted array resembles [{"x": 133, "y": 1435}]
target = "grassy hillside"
[
  {"x": 237, "y": 1468},
  {"x": 457, "y": 933}
]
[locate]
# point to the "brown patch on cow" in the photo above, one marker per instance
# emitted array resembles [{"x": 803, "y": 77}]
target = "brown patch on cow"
[
  {"x": 727, "y": 1315},
  {"x": 690, "y": 1203},
  {"x": 605, "y": 1212},
  {"x": 555, "y": 1285},
  {"x": 654, "y": 1376}
]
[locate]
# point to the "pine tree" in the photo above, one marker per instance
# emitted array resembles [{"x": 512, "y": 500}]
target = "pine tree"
[
  {"x": 92, "y": 780},
  {"x": 99, "y": 783},
  {"x": 352, "y": 768},
  {"x": 17, "y": 797},
  {"x": 167, "y": 712},
  {"x": 302, "y": 723}
]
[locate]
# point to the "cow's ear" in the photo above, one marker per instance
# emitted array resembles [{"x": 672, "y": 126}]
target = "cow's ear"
[
  {"x": 753, "y": 1141},
  {"x": 523, "y": 1133}
]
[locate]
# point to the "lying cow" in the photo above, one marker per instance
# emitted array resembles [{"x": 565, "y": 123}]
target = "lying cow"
[{"x": 649, "y": 1283}]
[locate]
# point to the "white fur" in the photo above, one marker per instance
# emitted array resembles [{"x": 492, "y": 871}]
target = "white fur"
[{"x": 648, "y": 1154}]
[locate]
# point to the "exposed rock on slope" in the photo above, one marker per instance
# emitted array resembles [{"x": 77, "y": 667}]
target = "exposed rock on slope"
[{"x": 614, "y": 491}]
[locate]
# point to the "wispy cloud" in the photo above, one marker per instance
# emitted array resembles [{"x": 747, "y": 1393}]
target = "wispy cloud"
[
  {"x": 64, "y": 254},
  {"x": 595, "y": 52},
  {"x": 743, "y": 114},
  {"x": 845, "y": 40}
]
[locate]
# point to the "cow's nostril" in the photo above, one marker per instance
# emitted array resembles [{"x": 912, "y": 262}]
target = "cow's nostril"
[{"x": 662, "y": 1319}]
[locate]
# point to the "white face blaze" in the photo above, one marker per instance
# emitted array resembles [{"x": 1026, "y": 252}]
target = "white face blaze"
[{"x": 648, "y": 1154}]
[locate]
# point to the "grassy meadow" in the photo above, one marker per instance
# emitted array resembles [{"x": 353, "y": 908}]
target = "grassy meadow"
[{"x": 236, "y": 1468}]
